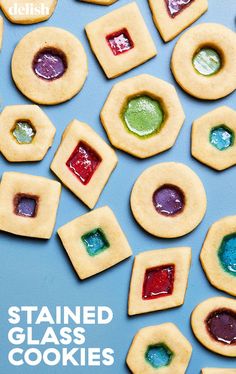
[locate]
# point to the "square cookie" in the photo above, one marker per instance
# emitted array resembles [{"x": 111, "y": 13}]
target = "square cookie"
[
  {"x": 159, "y": 280},
  {"x": 173, "y": 16},
  {"x": 28, "y": 204},
  {"x": 120, "y": 40},
  {"x": 94, "y": 242},
  {"x": 84, "y": 162}
]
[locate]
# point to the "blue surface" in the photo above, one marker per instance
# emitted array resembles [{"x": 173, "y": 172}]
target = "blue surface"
[{"x": 35, "y": 272}]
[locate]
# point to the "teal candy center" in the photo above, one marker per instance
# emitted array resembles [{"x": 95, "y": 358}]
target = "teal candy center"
[
  {"x": 221, "y": 137},
  {"x": 143, "y": 116},
  {"x": 95, "y": 242},
  {"x": 227, "y": 254},
  {"x": 23, "y": 132},
  {"x": 207, "y": 61},
  {"x": 158, "y": 355}
]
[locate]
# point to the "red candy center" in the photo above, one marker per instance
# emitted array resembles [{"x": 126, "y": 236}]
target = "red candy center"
[
  {"x": 120, "y": 42},
  {"x": 158, "y": 282}
]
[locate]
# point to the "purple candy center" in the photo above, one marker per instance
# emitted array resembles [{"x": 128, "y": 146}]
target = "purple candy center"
[
  {"x": 49, "y": 64},
  {"x": 221, "y": 325},
  {"x": 176, "y": 6},
  {"x": 168, "y": 200},
  {"x": 25, "y": 205}
]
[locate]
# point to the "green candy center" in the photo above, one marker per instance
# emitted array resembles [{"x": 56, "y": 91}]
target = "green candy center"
[
  {"x": 207, "y": 61},
  {"x": 143, "y": 116},
  {"x": 23, "y": 132}
]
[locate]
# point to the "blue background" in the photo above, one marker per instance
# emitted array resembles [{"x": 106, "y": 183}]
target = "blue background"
[{"x": 35, "y": 272}]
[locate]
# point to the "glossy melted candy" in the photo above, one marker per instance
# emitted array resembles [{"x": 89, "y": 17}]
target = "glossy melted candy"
[
  {"x": 158, "y": 282},
  {"x": 227, "y": 254},
  {"x": 23, "y": 132},
  {"x": 176, "y": 6},
  {"x": 83, "y": 162},
  {"x": 221, "y": 137},
  {"x": 120, "y": 41},
  {"x": 50, "y": 64},
  {"x": 221, "y": 325},
  {"x": 158, "y": 355},
  {"x": 207, "y": 61},
  {"x": 25, "y": 205},
  {"x": 168, "y": 200},
  {"x": 95, "y": 242}
]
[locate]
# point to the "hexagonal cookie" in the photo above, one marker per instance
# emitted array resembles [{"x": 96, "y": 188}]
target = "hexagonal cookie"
[
  {"x": 26, "y": 12},
  {"x": 159, "y": 347},
  {"x": 159, "y": 280},
  {"x": 26, "y": 133},
  {"x": 213, "y": 138},
  {"x": 218, "y": 371},
  {"x": 218, "y": 255},
  {"x": 142, "y": 115}
]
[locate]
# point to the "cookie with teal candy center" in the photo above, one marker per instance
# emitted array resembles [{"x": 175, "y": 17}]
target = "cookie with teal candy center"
[
  {"x": 221, "y": 137},
  {"x": 159, "y": 355}
]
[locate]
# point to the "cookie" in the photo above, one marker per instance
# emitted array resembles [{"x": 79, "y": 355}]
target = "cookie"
[
  {"x": 28, "y": 205},
  {"x": 173, "y": 16},
  {"x": 218, "y": 371},
  {"x": 84, "y": 162},
  {"x": 49, "y": 65},
  {"x": 142, "y": 115},
  {"x": 160, "y": 347},
  {"x": 204, "y": 61},
  {"x": 94, "y": 242},
  {"x": 26, "y": 12},
  {"x": 120, "y": 40},
  {"x": 26, "y": 133},
  {"x": 218, "y": 255},
  {"x": 159, "y": 280},
  {"x": 168, "y": 200},
  {"x": 214, "y": 325},
  {"x": 213, "y": 138},
  {"x": 1, "y": 31}
]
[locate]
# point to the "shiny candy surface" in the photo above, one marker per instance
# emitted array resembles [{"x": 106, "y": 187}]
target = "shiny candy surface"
[
  {"x": 158, "y": 282},
  {"x": 168, "y": 200},
  {"x": 50, "y": 64},
  {"x": 221, "y": 325}
]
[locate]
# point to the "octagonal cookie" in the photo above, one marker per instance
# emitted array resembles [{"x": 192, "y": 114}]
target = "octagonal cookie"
[
  {"x": 120, "y": 40},
  {"x": 214, "y": 325},
  {"x": 84, "y": 162},
  {"x": 218, "y": 255},
  {"x": 28, "y": 204},
  {"x": 94, "y": 242},
  {"x": 218, "y": 371},
  {"x": 26, "y": 133},
  {"x": 173, "y": 16},
  {"x": 142, "y": 115},
  {"x": 213, "y": 138},
  {"x": 159, "y": 347},
  {"x": 26, "y": 12},
  {"x": 159, "y": 280}
]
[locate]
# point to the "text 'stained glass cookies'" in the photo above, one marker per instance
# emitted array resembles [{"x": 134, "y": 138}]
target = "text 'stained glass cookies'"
[
  {"x": 120, "y": 40},
  {"x": 173, "y": 16},
  {"x": 49, "y": 65},
  {"x": 94, "y": 242},
  {"x": 142, "y": 115},
  {"x": 84, "y": 162},
  {"x": 208, "y": 69},
  {"x": 159, "y": 347},
  {"x": 164, "y": 197}
]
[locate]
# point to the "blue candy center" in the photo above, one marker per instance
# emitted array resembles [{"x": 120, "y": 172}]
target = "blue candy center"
[
  {"x": 227, "y": 254},
  {"x": 158, "y": 355},
  {"x": 221, "y": 137},
  {"x": 95, "y": 242}
]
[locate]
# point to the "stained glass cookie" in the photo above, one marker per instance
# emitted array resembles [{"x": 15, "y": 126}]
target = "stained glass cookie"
[
  {"x": 142, "y": 115},
  {"x": 120, "y": 40},
  {"x": 49, "y": 65},
  {"x": 84, "y": 162},
  {"x": 28, "y": 204},
  {"x": 159, "y": 280},
  {"x": 204, "y": 61},
  {"x": 26, "y": 12},
  {"x": 26, "y": 133},
  {"x": 159, "y": 347},
  {"x": 218, "y": 371},
  {"x": 94, "y": 242},
  {"x": 168, "y": 200},
  {"x": 173, "y": 16},
  {"x": 214, "y": 325}
]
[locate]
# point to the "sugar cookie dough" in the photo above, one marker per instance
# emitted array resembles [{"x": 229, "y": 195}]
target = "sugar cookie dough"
[
  {"x": 218, "y": 371},
  {"x": 84, "y": 162},
  {"x": 168, "y": 200},
  {"x": 120, "y": 40},
  {"x": 26, "y": 12},
  {"x": 49, "y": 65},
  {"x": 26, "y": 133},
  {"x": 159, "y": 280},
  {"x": 28, "y": 204},
  {"x": 204, "y": 61},
  {"x": 173, "y": 16},
  {"x": 159, "y": 347},
  {"x": 94, "y": 242},
  {"x": 218, "y": 255},
  {"x": 142, "y": 115},
  {"x": 214, "y": 325}
]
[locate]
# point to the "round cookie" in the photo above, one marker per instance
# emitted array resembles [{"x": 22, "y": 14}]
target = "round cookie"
[
  {"x": 214, "y": 325},
  {"x": 142, "y": 116},
  {"x": 49, "y": 65},
  {"x": 168, "y": 200},
  {"x": 218, "y": 255},
  {"x": 204, "y": 61}
]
